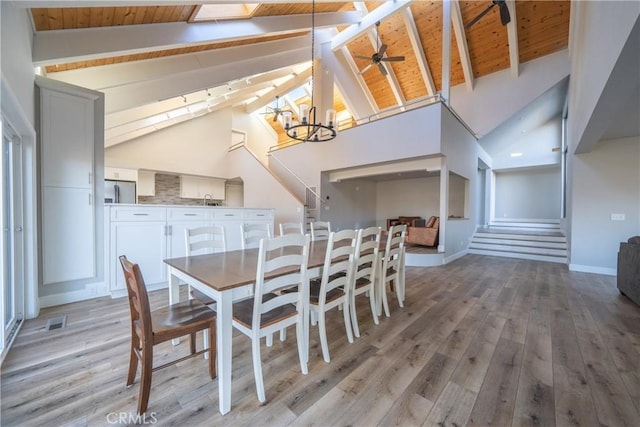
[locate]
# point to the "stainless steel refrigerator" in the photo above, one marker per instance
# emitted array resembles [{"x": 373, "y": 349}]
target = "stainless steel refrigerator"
[{"x": 119, "y": 191}]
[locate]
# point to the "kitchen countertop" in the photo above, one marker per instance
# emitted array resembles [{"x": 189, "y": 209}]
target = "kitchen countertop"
[{"x": 148, "y": 205}]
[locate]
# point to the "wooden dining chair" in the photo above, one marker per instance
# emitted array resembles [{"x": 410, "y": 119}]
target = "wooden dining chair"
[
  {"x": 291, "y": 228},
  {"x": 149, "y": 328},
  {"x": 270, "y": 310},
  {"x": 364, "y": 270},
  {"x": 251, "y": 234},
  {"x": 392, "y": 268},
  {"x": 320, "y": 229},
  {"x": 333, "y": 288}
]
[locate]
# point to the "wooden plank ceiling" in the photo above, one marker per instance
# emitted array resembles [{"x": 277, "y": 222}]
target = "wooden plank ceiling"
[{"x": 542, "y": 28}]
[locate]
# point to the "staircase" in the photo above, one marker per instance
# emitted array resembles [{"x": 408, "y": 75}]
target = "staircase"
[{"x": 536, "y": 240}]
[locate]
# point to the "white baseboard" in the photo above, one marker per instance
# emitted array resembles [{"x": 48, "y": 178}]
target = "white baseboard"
[
  {"x": 92, "y": 290},
  {"x": 455, "y": 256},
  {"x": 594, "y": 270}
]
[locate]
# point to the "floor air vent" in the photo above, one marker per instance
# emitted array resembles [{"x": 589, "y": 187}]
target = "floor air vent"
[{"x": 56, "y": 323}]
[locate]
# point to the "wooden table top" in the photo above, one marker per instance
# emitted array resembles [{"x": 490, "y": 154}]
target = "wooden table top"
[{"x": 232, "y": 269}]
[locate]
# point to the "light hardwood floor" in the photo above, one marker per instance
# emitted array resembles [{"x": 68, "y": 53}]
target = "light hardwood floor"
[{"x": 481, "y": 341}]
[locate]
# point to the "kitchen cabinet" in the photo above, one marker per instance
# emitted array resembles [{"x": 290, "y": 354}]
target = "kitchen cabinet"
[
  {"x": 148, "y": 235},
  {"x": 195, "y": 187},
  {"x": 146, "y": 183},
  {"x": 120, "y": 174},
  {"x": 140, "y": 233},
  {"x": 71, "y": 158}
]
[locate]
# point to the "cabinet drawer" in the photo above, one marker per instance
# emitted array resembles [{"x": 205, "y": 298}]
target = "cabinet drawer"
[
  {"x": 188, "y": 214},
  {"x": 137, "y": 214},
  {"x": 227, "y": 214},
  {"x": 258, "y": 214}
]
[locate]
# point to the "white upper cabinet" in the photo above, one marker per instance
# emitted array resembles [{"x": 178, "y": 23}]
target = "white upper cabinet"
[
  {"x": 146, "y": 183},
  {"x": 196, "y": 187},
  {"x": 67, "y": 140},
  {"x": 121, "y": 174}
]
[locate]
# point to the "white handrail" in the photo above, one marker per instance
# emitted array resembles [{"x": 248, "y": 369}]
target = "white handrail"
[{"x": 307, "y": 188}]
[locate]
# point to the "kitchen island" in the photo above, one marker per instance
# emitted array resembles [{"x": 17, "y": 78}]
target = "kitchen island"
[{"x": 149, "y": 234}]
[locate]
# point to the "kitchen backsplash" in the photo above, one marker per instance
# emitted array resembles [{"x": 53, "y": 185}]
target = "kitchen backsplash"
[{"x": 167, "y": 192}]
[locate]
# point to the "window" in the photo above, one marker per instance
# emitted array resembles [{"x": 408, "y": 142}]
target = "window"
[{"x": 215, "y": 12}]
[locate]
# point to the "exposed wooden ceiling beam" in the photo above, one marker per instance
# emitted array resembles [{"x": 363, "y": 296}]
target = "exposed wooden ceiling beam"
[
  {"x": 367, "y": 22},
  {"x": 512, "y": 34},
  {"x": 374, "y": 39},
  {"x": 286, "y": 87},
  {"x": 414, "y": 38},
  {"x": 461, "y": 39},
  {"x": 52, "y": 47}
]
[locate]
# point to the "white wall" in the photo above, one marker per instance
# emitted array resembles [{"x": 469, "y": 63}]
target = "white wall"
[
  {"x": 497, "y": 96},
  {"x": 605, "y": 181},
  {"x": 594, "y": 96},
  {"x": 17, "y": 104},
  {"x": 536, "y": 147},
  {"x": 407, "y": 197},
  {"x": 461, "y": 154},
  {"x": 197, "y": 147},
  {"x": 260, "y": 136},
  {"x": 528, "y": 194},
  {"x": 17, "y": 67},
  {"x": 353, "y": 203},
  {"x": 262, "y": 189}
]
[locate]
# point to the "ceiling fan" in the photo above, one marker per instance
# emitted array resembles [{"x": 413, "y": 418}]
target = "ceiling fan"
[
  {"x": 378, "y": 56},
  {"x": 505, "y": 17},
  {"x": 276, "y": 110}
]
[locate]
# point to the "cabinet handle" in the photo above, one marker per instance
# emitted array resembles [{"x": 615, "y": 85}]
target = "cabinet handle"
[
  {"x": 229, "y": 215},
  {"x": 141, "y": 214},
  {"x": 168, "y": 230},
  {"x": 89, "y": 199},
  {"x": 89, "y": 177},
  {"x": 259, "y": 214},
  {"x": 189, "y": 214}
]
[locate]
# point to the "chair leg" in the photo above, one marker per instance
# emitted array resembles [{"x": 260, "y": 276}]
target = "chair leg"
[
  {"x": 283, "y": 334},
  {"x": 205, "y": 343},
  {"x": 257, "y": 367},
  {"x": 347, "y": 321},
  {"x": 302, "y": 345},
  {"x": 133, "y": 360},
  {"x": 269, "y": 340},
  {"x": 192, "y": 343},
  {"x": 323, "y": 336},
  {"x": 145, "y": 378},
  {"x": 374, "y": 311},
  {"x": 211, "y": 335},
  {"x": 354, "y": 317},
  {"x": 385, "y": 302}
]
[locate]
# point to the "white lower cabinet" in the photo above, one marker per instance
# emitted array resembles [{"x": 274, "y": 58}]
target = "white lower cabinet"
[{"x": 149, "y": 235}]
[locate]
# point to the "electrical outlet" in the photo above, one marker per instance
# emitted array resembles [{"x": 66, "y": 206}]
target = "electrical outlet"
[{"x": 617, "y": 217}]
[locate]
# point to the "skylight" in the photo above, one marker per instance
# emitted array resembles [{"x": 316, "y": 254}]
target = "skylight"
[{"x": 216, "y": 12}]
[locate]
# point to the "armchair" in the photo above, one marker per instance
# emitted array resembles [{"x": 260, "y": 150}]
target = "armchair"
[{"x": 424, "y": 234}]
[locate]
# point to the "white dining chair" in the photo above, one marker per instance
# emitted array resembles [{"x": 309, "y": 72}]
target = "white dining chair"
[
  {"x": 251, "y": 234},
  {"x": 200, "y": 241},
  {"x": 392, "y": 266},
  {"x": 270, "y": 310},
  {"x": 364, "y": 270},
  {"x": 291, "y": 227},
  {"x": 332, "y": 289},
  {"x": 320, "y": 229}
]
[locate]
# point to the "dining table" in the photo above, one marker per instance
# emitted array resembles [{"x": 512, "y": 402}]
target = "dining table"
[{"x": 227, "y": 277}]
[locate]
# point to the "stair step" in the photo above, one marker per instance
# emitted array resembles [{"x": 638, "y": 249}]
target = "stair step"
[
  {"x": 520, "y": 249},
  {"x": 519, "y": 237},
  {"x": 535, "y": 257}
]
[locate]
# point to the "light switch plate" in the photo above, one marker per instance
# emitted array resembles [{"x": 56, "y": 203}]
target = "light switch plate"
[{"x": 617, "y": 217}]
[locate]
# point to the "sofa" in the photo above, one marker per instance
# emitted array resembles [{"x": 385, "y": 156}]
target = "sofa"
[
  {"x": 629, "y": 269},
  {"x": 407, "y": 220},
  {"x": 424, "y": 233}
]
